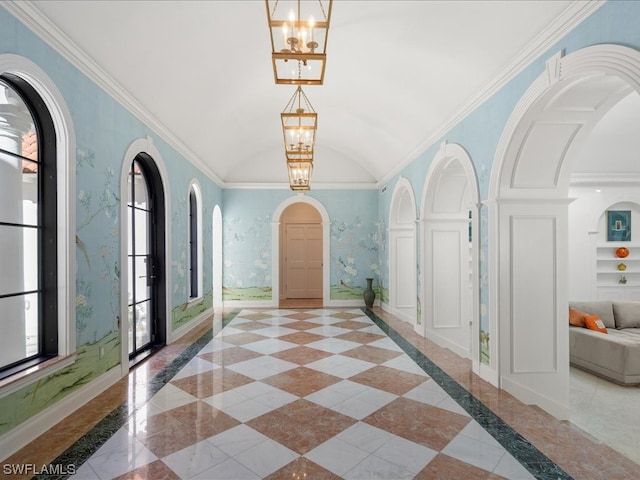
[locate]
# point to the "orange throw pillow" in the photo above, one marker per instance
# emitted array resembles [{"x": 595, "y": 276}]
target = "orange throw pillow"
[
  {"x": 576, "y": 317},
  {"x": 594, "y": 323}
]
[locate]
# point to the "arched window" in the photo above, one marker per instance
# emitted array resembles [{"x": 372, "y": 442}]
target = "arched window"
[
  {"x": 28, "y": 226},
  {"x": 195, "y": 243}
]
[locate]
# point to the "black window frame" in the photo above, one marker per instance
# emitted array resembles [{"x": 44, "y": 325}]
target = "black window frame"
[
  {"x": 47, "y": 226},
  {"x": 193, "y": 244}
]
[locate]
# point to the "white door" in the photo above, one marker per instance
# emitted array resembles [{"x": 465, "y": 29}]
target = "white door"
[
  {"x": 448, "y": 297},
  {"x": 403, "y": 283},
  {"x": 303, "y": 260}
]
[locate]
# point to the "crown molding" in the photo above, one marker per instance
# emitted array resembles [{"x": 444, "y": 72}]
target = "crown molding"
[
  {"x": 604, "y": 179},
  {"x": 38, "y": 23},
  {"x": 570, "y": 18},
  {"x": 285, "y": 186}
]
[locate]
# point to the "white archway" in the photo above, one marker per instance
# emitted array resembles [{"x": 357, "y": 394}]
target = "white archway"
[
  {"x": 528, "y": 217},
  {"x": 216, "y": 283},
  {"x": 403, "y": 285},
  {"x": 449, "y": 246},
  {"x": 275, "y": 246}
]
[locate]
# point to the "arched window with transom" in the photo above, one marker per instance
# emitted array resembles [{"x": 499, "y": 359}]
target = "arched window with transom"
[{"x": 28, "y": 228}]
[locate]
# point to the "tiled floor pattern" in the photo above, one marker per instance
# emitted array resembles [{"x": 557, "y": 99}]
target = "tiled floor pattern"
[
  {"x": 607, "y": 411},
  {"x": 315, "y": 394}
]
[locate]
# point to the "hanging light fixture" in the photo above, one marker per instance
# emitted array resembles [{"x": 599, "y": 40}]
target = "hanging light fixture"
[
  {"x": 300, "y": 174},
  {"x": 299, "y": 40},
  {"x": 299, "y": 125}
]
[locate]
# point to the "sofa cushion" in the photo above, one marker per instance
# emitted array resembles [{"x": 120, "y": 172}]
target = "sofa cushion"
[
  {"x": 602, "y": 308},
  {"x": 626, "y": 314},
  {"x": 593, "y": 322},
  {"x": 576, "y": 317},
  {"x": 615, "y": 356}
]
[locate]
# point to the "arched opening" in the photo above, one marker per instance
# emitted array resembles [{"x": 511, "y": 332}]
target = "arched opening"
[
  {"x": 403, "y": 288},
  {"x": 316, "y": 215},
  {"x": 528, "y": 208},
  {"x": 449, "y": 258},
  {"x": 217, "y": 258}
]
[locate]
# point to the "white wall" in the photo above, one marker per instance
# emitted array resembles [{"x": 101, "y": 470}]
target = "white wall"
[{"x": 587, "y": 228}]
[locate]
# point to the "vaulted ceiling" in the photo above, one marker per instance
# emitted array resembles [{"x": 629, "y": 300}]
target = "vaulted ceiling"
[{"x": 398, "y": 73}]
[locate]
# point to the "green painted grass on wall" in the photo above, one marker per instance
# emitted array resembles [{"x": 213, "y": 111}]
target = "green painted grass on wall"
[
  {"x": 37, "y": 396},
  {"x": 184, "y": 313}
]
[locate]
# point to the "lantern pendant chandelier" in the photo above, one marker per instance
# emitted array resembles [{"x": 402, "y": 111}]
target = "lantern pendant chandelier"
[
  {"x": 299, "y": 125},
  {"x": 299, "y": 31}
]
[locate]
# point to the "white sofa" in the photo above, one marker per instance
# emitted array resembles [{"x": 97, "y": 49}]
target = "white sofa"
[{"x": 616, "y": 354}]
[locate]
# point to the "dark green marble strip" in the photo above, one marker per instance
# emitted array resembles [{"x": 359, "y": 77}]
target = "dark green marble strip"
[
  {"x": 89, "y": 443},
  {"x": 536, "y": 462}
]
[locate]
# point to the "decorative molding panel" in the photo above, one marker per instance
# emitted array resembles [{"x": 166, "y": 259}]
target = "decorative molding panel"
[{"x": 533, "y": 343}]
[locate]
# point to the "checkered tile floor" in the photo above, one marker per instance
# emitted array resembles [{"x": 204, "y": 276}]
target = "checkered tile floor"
[{"x": 288, "y": 394}]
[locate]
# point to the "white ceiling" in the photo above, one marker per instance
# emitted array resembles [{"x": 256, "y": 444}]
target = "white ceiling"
[{"x": 397, "y": 73}]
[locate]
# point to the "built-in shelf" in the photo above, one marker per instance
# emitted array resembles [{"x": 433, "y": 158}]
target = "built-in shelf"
[{"x": 612, "y": 282}]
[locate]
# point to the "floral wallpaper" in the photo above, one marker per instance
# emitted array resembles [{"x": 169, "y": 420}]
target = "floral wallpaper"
[
  {"x": 98, "y": 209},
  {"x": 248, "y": 222},
  {"x": 247, "y": 258}
]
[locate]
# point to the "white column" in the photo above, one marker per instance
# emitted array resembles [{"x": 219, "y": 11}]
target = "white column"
[{"x": 15, "y": 121}]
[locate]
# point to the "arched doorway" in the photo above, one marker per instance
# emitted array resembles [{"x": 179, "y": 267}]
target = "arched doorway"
[
  {"x": 528, "y": 216},
  {"x": 301, "y": 253},
  {"x": 144, "y": 276},
  {"x": 403, "y": 289},
  {"x": 449, "y": 253},
  {"x": 278, "y": 244}
]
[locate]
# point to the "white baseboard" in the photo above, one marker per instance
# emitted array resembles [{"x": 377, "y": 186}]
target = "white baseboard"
[
  {"x": 445, "y": 343},
  {"x": 530, "y": 397},
  {"x": 187, "y": 327},
  {"x": 249, "y": 304},
  {"x": 344, "y": 303},
  {"x": 269, "y": 304},
  {"x": 28, "y": 431},
  {"x": 488, "y": 374}
]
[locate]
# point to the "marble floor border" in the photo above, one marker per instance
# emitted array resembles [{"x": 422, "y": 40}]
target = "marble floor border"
[{"x": 536, "y": 462}]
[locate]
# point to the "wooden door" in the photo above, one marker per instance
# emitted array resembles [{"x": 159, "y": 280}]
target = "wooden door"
[{"x": 303, "y": 260}]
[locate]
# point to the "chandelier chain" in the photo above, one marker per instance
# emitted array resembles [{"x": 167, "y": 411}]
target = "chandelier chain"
[{"x": 324, "y": 14}]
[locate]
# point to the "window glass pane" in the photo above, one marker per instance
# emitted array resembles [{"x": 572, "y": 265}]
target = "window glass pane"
[
  {"x": 18, "y": 191},
  {"x": 31, "y": 259},
  {"x": 31, "y": 324},
  {"x": 143, "y": 335},
  {"x": 130, "y": 230},
  {"x": 30, "y": 198},
  {"x": 141, "y": 193},
  {"x": 131, "y": 324},
  {"x": 18, "y": 176},
  {"x": 142, "y": 292},
  {"x": 12, "y": 261},
  {"x": 30, "y": 150},
  {"x": 13, "y": 341},
  {"x": 142, "y": 232},
  {"x": 130, "y": 281}
]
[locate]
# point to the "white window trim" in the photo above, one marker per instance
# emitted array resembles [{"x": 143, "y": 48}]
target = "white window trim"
[{"x": 66, "y": 168}]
